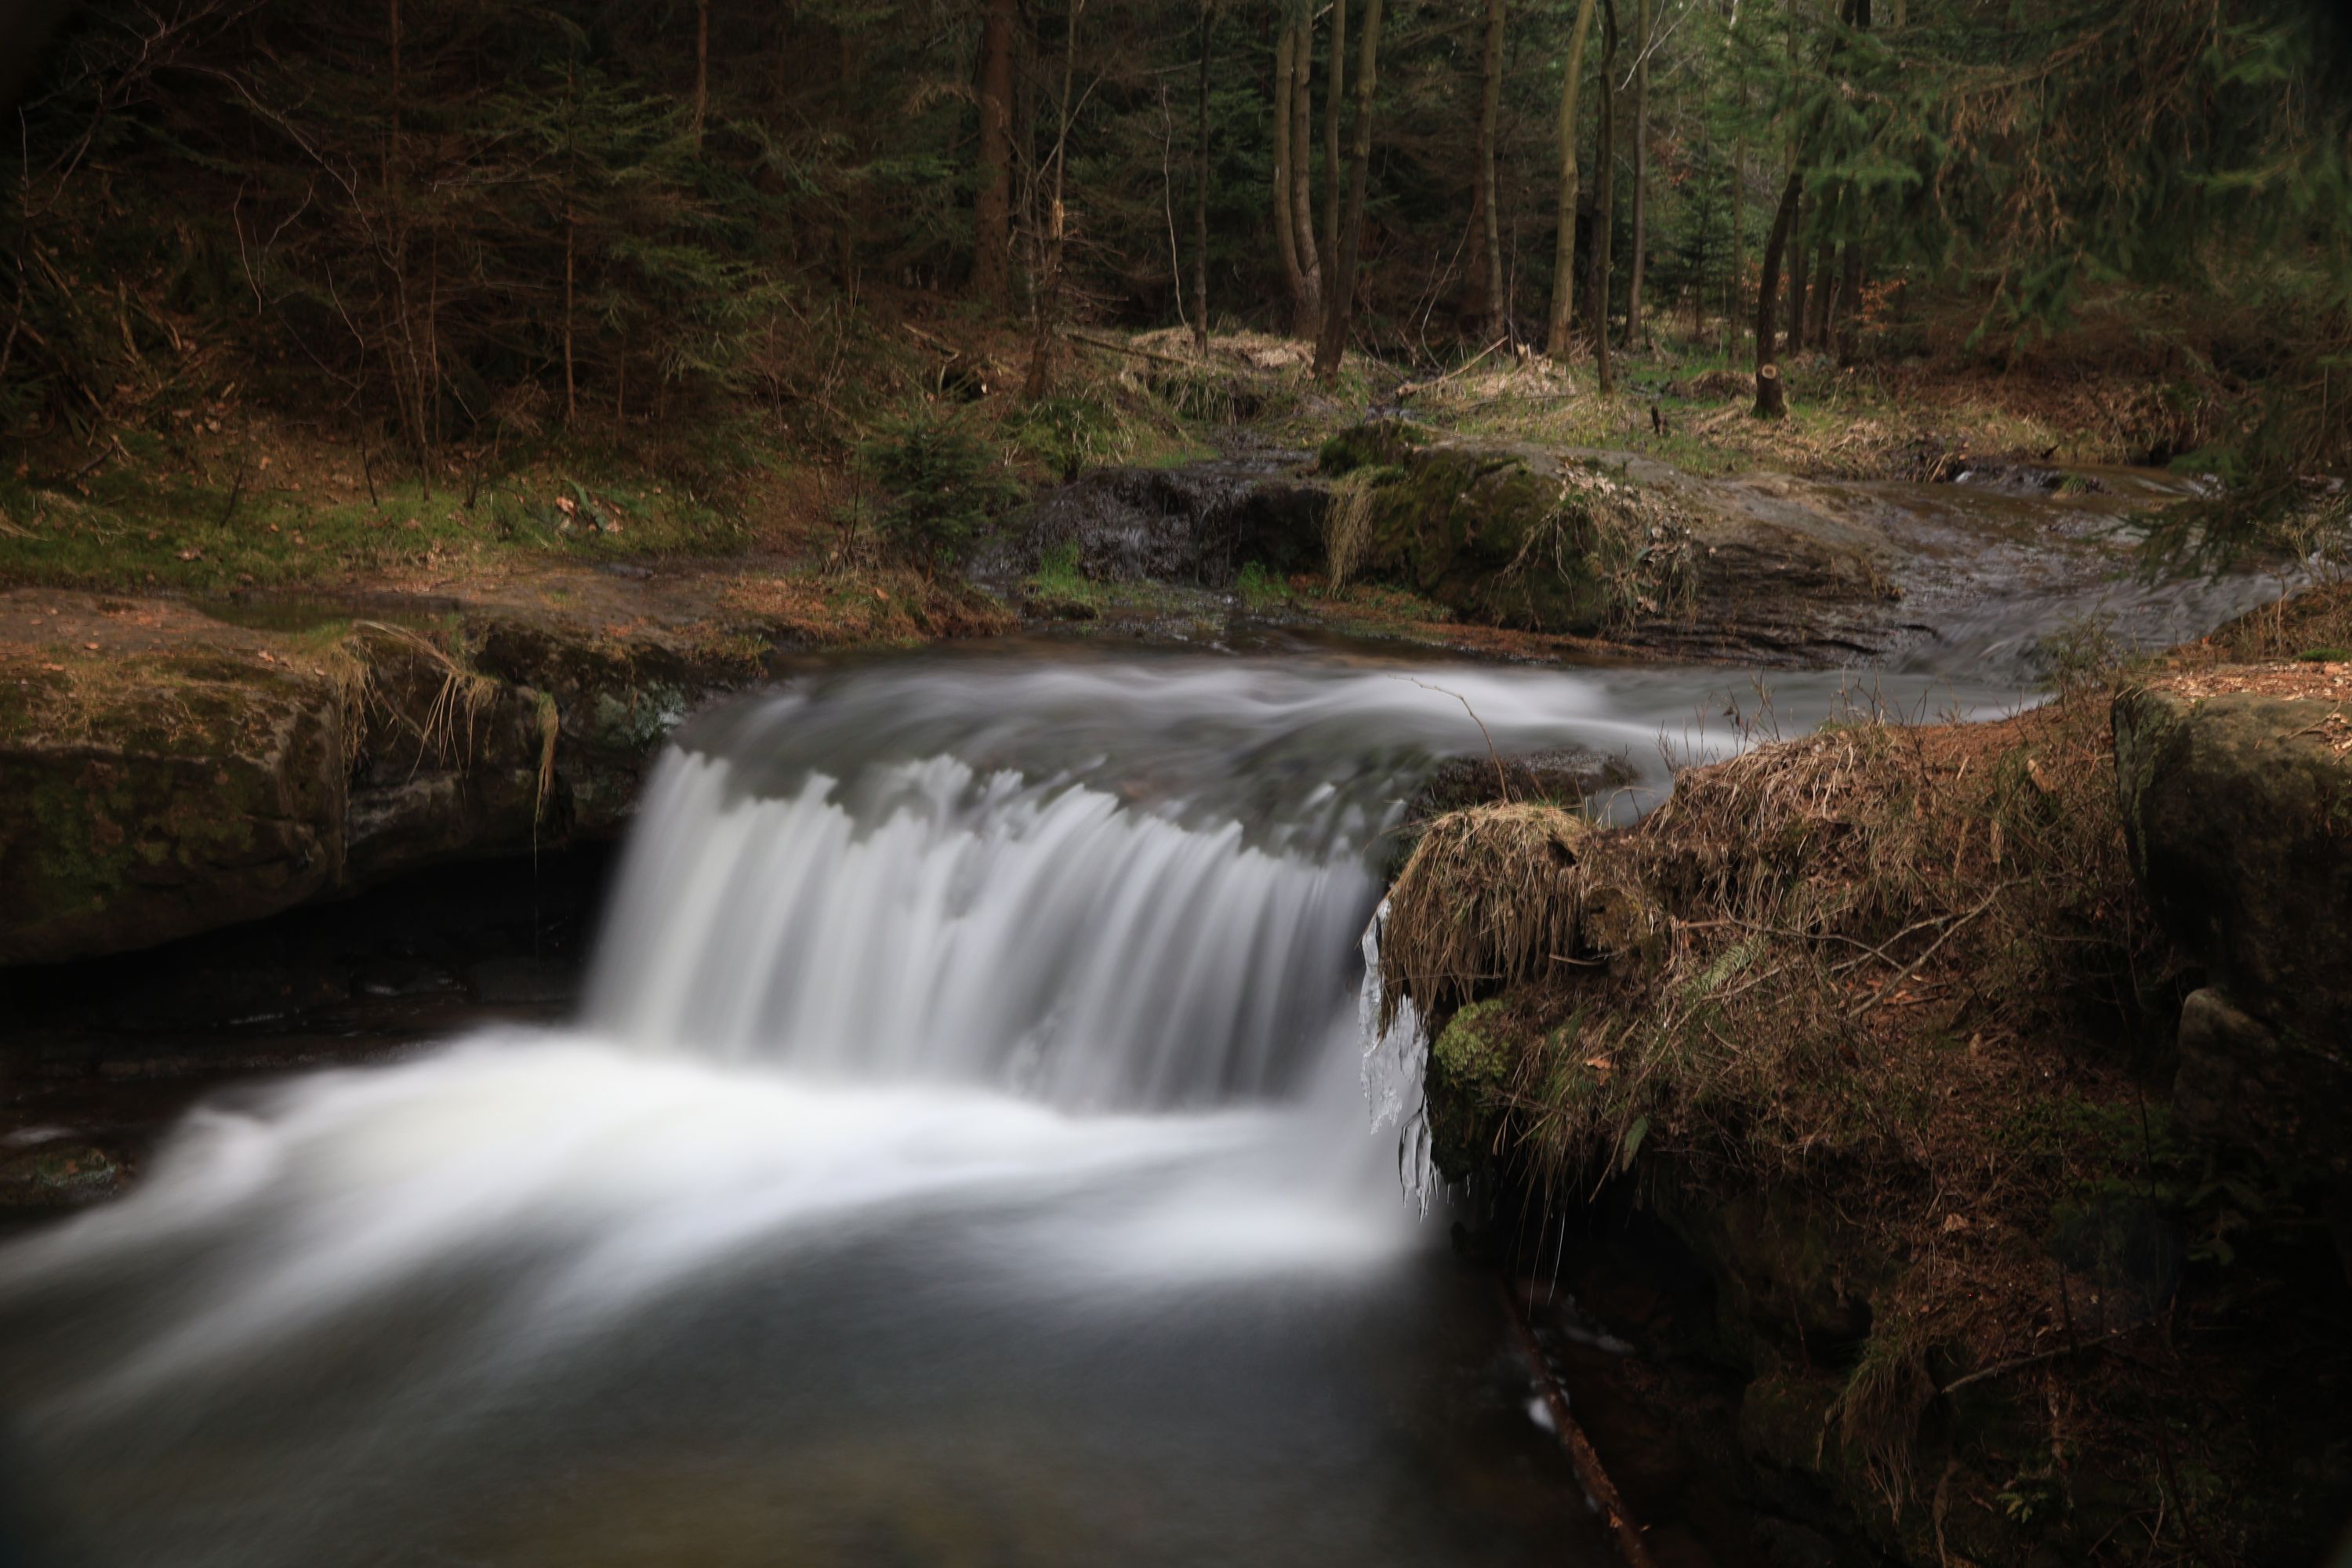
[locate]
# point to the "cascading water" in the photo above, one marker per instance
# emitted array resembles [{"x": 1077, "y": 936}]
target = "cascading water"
[{"x": 965, "y": 1155}]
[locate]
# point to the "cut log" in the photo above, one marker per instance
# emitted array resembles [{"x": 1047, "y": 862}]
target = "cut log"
[{"x": 1771, "y": 399}]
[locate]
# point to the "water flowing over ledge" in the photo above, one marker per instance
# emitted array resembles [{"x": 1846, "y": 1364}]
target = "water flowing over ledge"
[{"x": 952, "y": 1018}]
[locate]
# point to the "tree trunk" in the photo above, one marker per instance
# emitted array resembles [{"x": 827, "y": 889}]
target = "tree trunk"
[
  {"x": 701, "y": 72},
  {"x": 1563, "y": 259},
  {"x": 1604, "y": 194},
  {"x": 1734, "y": 294},
  {"x": 1339, "y": 306},
  {"x": 1636, "y": 331},
  {"x": 1308, "y": 317},
  {"x": 1850, "y": 308},
  {"x": 1798, "y": 298},
  {"x": 1285, "y": 216},
  {"x": 1490, "y": 228},
  {"x": 1200, "y": 197},
  {"x": 853, "y": 195},
  {"x": 1825, "y": 300},
  {"x": 992, "y": 249},
  {"x": 1045, "y": 288},
  {"x": 1334, "y": 95},
  {"x": 1770, "y": 402}
]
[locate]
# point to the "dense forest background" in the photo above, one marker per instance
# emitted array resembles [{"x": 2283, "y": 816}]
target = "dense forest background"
[{"x": 690, "y": 230}]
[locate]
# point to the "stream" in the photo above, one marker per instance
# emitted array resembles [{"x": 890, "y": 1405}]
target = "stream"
[
  {"x": 967, "y": 1152},
  {"x": 964, "y": 1154}
]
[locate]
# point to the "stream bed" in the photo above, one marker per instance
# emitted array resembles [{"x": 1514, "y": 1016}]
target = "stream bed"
[{"x": 964, "y": 1153}]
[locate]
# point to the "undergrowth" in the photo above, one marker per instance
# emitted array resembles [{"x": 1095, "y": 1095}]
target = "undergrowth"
[{"x": 1907, "y": 970}]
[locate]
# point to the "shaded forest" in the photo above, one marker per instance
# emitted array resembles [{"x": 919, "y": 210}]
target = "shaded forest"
[{"x": 687, "y": 233}]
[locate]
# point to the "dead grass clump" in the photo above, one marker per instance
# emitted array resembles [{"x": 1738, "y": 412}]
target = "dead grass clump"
[
  {"x": 1868, "y": 941},
  {"x": 409, "y": 694},
  {"x": 1347, "y": 529},
  {"x": 1489, "y": 896}
]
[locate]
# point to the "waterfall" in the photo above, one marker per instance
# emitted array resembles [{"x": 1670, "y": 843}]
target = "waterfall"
[{"x": 954, "y": 1020}]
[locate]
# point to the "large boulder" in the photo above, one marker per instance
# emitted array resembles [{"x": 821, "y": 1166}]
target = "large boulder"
[
  {"x": 2237, "y": 806},
  {"x": 1200, "y": 524},
  {"x": 138, "y": 805},
  {"x": 1600, "y": 544}
]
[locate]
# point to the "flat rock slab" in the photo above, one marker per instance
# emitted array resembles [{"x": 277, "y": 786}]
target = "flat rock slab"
[
  {"x": 2237, "y": 801},
  {"x": 168, "y": 767}
]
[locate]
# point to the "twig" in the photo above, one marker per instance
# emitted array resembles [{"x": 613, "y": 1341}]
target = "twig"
[
  {"x": 236, "y": 494},
  {"x": 1913, "y": 967},
  {"x": 1119, "y": 348},
  {"x": 2018, "y": 1363},
  {"x": 1409, "y": 387},
  {"x": 1572, "y": 1437},
  {"x": 1502, "y": 779}
]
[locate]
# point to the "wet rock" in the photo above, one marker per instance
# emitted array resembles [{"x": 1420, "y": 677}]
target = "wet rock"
[
  {"x": 1198, "y": 524},
  {"x": 523, "y": 981},
  {"x": 1560, "y": 775},
  {"x": 1470, "y": 1066},
  {"x": 1788, "y": 1274},
  {"x": 443, "y": 759},
  {"x": 2238, "y": 812},
  {"x": 143, "y": 805},
  {"x": 60, "y": 1173},
  {"x": 1591, "y": 544}
]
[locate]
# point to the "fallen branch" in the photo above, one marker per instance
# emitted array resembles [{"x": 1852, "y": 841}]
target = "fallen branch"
[
  {"x": 2001, "y": 1369},
  {"x": 1596, "y": 1480},
  {"x": 1119, "y": 347},
  {"x": 1409, "y": 387},
  {"x": 1913, "y": 967}
]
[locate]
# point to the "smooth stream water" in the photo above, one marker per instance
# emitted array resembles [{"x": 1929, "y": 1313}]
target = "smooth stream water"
[{"x": 964, "y": 1156}]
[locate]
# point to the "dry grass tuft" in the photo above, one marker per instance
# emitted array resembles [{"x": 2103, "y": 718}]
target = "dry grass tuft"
[
  {"x": 1899, "y": 968},
  {"x": 1347, "y": 527},
  {"x": 1489, "y": 897}
]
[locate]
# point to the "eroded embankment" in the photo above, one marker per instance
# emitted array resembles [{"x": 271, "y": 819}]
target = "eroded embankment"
[
  {"x": 166, "y": 771},
  {"x": 1876, "y": 1031}
]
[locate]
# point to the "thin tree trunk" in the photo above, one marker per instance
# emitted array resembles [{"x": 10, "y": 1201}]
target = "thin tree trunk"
[
  {"x": 1334, "y": 98},
  {"x": 1200, "y": 197},
  {"x": 1850, "y": 308},
  {"x": 1490, "y": 224},
  {"x": 1563, "y": 261},
  {"x": 1604, "y": 194},
  {"x": 1339, "y": 306},
  {"x": 853, "y": 197},
  {"x": 991, "y": 253},
  {"x": 1636, "y": 332},
  {"x": 1046, "y": 298},
  {"x": 1826, "y": 264},
  {"x": 1735, "y": 295},
  {"x": 570, "y": 184},
  {"x": 1285, "y": 216},
  {"x": 701, "y": 71},
  {"x": 1308, "y": 317},
  {"x": 1799, "y": 297},
  {"x": 1768, "y": 403}
]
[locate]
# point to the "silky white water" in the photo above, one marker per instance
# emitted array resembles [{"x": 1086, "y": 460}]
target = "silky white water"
[{"x": 967, "y": 1152}]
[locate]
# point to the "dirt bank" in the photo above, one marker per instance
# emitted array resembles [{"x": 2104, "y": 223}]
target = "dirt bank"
[
  {"x": 1875, "y": 1035},
  {"x": 168, "y": 765}
]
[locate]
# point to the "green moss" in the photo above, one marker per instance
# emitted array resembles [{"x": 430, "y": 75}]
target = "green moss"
[
  {"x": 1375, "y": 443},
  {"x": 1470, "y": 1066},
  {"x": 143, "y": 526},
  {"x": 1484, "y": 531}
]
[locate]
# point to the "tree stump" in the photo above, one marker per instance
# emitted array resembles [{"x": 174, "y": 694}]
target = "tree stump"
[{"x": 1772, "y": 397}]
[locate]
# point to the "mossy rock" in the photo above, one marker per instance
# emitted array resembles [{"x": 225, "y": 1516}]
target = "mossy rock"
[
  {"x": 2238, "y": 813},
  {"x": 177, "y": 796},
  {"x": 1470, "y": 1066},
  {"x": 1479, "y": 528},
  {"x": 1374, "y": 443}
]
